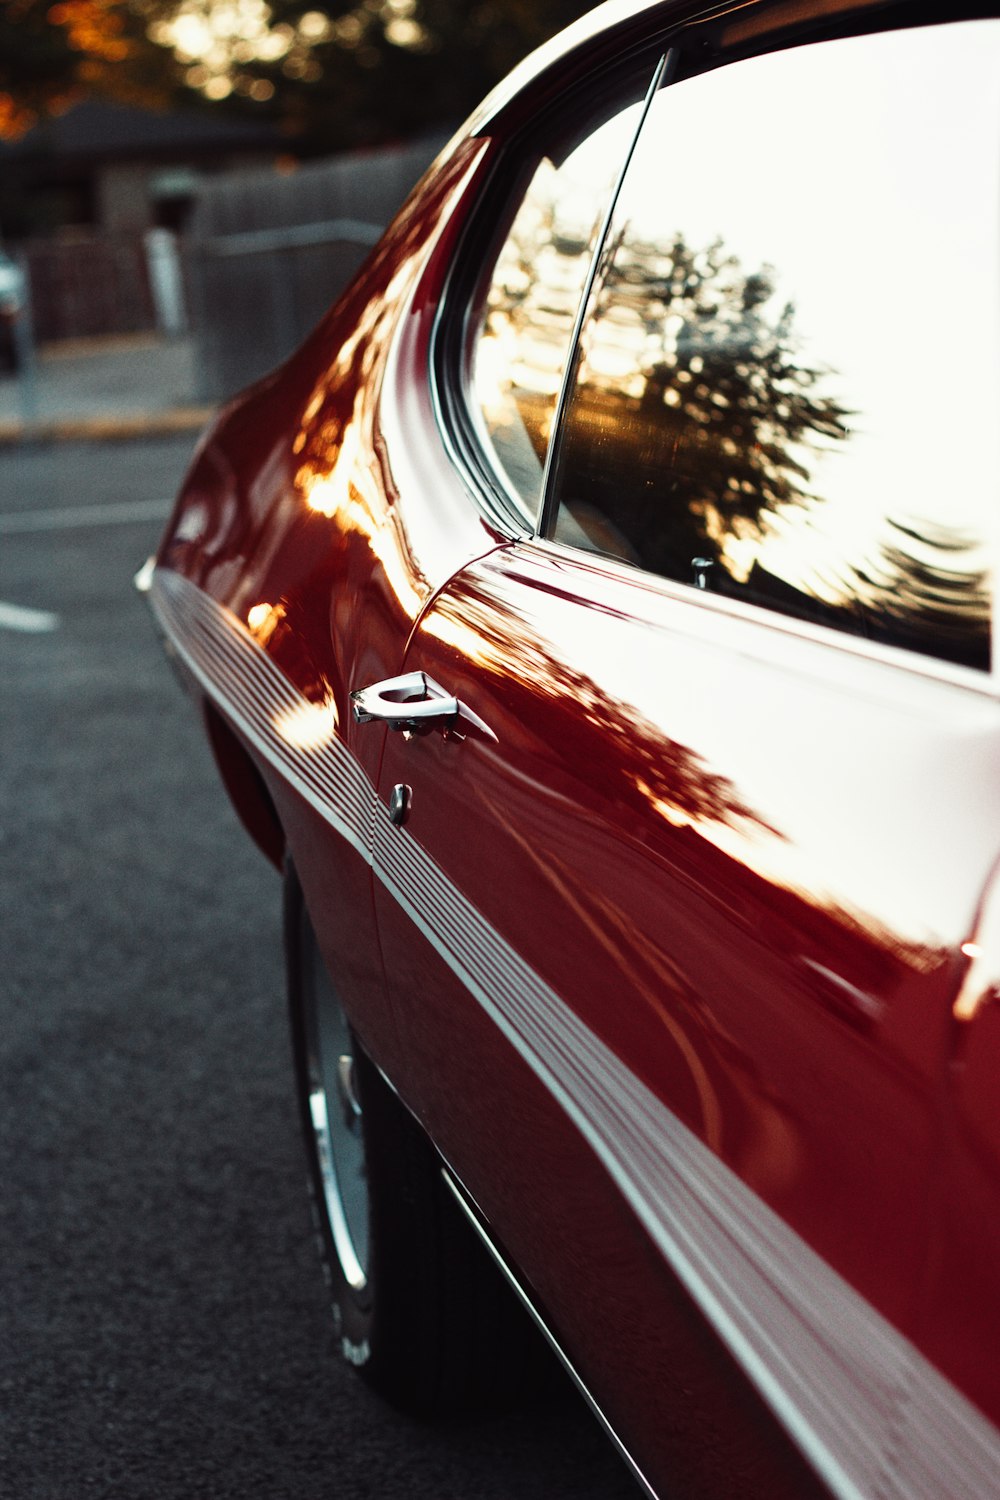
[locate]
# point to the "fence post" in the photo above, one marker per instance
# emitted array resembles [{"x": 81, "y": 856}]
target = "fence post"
[{"x": 166, "y": 282}]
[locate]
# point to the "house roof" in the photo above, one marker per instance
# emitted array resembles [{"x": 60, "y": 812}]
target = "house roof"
[{"x": 97, "y": 130}]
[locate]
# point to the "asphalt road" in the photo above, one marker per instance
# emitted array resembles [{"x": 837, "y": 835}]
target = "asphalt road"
[{"x": 163, "y": 1325}]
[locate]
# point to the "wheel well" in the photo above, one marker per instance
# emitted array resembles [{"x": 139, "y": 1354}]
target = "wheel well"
[{"x": 246, "y": 787}]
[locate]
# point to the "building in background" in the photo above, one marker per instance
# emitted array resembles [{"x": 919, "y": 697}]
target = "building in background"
[
  {"x": 110, "y": 168},
  {"x": 82, "y": 193}
]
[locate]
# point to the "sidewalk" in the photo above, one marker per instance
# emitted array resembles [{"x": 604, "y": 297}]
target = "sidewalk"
[{"x": 140, "y": 385}]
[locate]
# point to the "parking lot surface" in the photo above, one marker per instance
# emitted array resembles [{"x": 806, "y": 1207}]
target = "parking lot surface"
[{"x": 163, "y": 1325}]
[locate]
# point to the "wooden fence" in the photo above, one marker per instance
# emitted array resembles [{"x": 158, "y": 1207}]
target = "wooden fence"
[
  {"x": 263, "y": 257},
  {"x": 267, "y": 253},
  {"x": 88, "y": 285}
]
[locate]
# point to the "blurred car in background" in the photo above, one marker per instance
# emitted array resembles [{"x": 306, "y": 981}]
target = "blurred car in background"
[
  {"x": 12, "y": 306},
  {"x": 594, "y": 621}
]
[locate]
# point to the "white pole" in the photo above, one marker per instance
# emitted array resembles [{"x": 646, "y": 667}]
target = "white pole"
[{"x": 165, "y": 281}]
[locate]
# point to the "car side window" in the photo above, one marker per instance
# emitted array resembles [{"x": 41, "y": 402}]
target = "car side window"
[
  {"x": 527, "y": 304},
  {"x": 787, "y": 380}
]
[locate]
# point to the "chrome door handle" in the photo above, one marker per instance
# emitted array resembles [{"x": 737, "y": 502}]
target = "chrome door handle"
[{"x": 407, "y": 702}]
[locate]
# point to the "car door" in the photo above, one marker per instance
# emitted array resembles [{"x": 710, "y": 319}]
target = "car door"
[
  {"x": 638, "y": 991},
  {"x": 672, "y": 909}
]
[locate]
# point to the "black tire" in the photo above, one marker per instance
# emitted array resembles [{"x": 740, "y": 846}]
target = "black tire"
[{"x": 420, "y": 1309}]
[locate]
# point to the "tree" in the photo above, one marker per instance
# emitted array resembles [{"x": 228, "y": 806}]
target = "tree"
[
  {"x": 333, "y": 75},
  {"x": 52, "y": 55}
]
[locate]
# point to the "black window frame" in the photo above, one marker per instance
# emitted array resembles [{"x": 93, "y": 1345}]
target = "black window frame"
[{"x": 479, "y": 244}]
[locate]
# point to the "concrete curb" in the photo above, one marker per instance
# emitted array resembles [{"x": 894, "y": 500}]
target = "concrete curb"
[{"x": 106, "y": 428}]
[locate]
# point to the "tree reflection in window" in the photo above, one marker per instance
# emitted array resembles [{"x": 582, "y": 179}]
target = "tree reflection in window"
[
  {"x": 694, "y": 428},
  {"x": 779, "y": 394},
  {"x": 692, "y": 417}
]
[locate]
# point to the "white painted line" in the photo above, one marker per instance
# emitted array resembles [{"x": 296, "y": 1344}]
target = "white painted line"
[
  {"x": 31, "y": 621},
  {"x": 85, "y": 515},
  {"x": 143, "y": 580}
]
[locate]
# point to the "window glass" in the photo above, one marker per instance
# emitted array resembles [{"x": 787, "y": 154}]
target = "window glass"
[
  {"x": 527, "y": 309},
  {"x": 786, "y": 387}
]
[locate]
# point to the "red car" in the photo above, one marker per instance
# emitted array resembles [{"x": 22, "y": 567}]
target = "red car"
[{"x": 594, "y": 620}]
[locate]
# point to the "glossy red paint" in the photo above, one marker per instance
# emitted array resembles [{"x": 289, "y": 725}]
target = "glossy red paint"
[
  {"x": 288, "y": 519},
  {"x": 739, "y": 863},
  {"x": 687, "y": 887}
]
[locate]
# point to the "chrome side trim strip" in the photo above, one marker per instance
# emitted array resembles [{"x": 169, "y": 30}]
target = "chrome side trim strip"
[
  {"x": 244, "y": 682},
  {"x": 769, "y": 1297},
  {"x": 871, "y": 1413}
]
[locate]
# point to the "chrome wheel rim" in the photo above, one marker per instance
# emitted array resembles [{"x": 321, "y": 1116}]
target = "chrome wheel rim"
[{"x": 335, "y": 1113}]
